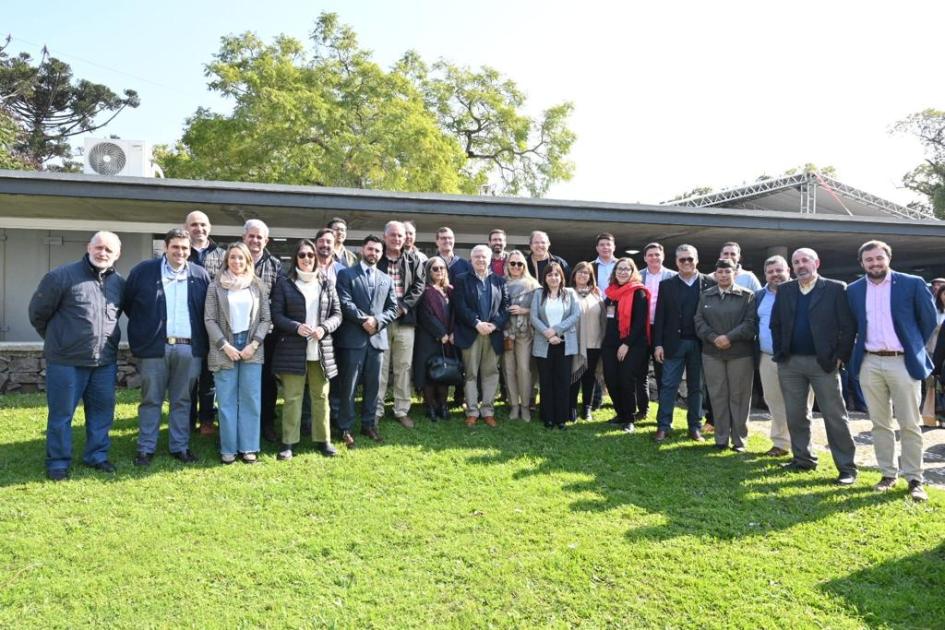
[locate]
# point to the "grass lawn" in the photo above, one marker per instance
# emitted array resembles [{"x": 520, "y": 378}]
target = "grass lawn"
[{"x": 447, "y": 526}]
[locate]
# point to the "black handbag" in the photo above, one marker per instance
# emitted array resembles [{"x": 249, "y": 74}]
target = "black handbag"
[{"x": 445, "y": 370}]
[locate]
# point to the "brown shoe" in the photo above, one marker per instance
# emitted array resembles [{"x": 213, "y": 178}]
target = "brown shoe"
[
  {"x": 372, "y": 433},
  {"x": 207, "y": 429},
  {"x": 489, "y": 420},
  {"x": 696, "y": 436},
  {"x": 405, "y": 421},
  {"x": 886, "y": 483},
  {"x": 347, "y": 439},
  {"x": 471, "y": 421},
  {"x": 916, "y": 491},
  {"x": 660, "y": 435},
  {"x": 774, "y": 451}
]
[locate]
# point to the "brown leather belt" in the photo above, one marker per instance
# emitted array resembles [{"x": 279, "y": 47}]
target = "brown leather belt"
[
  {"x": 173, "y": 341},
  {"x": 886, "y": 353}
]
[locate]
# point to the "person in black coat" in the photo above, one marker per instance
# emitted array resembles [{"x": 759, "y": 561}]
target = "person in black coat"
[{"x": 434, "y": 336}]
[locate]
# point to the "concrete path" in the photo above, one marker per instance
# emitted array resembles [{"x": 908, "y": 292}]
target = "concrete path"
[{"x": 861, "y": 428}]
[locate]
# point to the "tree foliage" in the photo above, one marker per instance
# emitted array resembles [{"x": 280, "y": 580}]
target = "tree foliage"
[
  {"x": 928, "y": 178},
  {"x": 332, "y": 116},
  {"x": 49, "y": 106}
]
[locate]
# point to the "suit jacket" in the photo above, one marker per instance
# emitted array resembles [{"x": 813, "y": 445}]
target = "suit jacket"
[
  {"x": 913, "y": 316},
  {"x": 666, "y": 329},
  {"x": 832, "y": 324},
  {"x": 466, "y": 302},
  {"x": 357, "y": 305}
]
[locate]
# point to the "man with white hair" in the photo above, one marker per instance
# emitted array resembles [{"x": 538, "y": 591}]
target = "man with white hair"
[
  {"x": 482, "y": 311},
  {"x": 539, "y": 246},
  {"x": 812, "y": 332},
  {"x": 268, "y": 269},
  {"x": 75, "y": 310},
  {"x": 198, "y": 226}
]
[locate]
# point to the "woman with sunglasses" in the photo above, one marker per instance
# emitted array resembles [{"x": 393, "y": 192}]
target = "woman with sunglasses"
[
  {"x": 236, "y": 315},
  {"x": 305, "y": 311},
  {"x": 434, "y": 336},
  {"x": 517, "y": 358},
  {"x": 625, "y": 348},
  {"x": 555, "y": 314},
  {"x": 590, "y": 336}
]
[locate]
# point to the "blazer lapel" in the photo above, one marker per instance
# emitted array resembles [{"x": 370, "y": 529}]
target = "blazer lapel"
[{"x": 817, "y": 293}]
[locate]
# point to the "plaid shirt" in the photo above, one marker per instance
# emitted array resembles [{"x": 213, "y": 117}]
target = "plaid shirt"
[{"x": 393, "y": 270}]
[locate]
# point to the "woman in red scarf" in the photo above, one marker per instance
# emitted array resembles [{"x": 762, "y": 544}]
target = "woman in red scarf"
[{"x": 624, "y": 351}]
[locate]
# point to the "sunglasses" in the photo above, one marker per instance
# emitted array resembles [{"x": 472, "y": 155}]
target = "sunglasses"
[
  {"x": 685, "y": 260},
  {"x": 306, "y": 255},
  {"x": 516, "y": 264},
  {"x": 438, "y": 268}
]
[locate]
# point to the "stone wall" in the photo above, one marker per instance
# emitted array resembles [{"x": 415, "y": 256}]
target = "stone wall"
[{"x": 23, "y": 368}]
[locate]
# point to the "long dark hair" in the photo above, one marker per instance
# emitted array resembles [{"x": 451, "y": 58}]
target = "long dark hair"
[
  {"x": 552, "y": 266},
  {"x": 291, "y": 274},
  {"x": 938, "y": 299}
]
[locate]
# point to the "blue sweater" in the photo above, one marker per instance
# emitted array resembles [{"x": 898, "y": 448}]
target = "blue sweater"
[{"x": 802, "y": 340}]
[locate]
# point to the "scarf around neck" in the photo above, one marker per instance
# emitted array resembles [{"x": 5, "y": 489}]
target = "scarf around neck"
[
  {"x": 623, "y": 296},
  {"x": 231, "y": 282}
]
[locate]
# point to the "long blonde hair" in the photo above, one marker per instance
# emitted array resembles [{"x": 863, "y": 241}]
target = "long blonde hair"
[{"x": 530, "y": 281}]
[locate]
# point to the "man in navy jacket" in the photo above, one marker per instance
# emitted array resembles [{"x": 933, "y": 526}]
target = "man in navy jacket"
[
  {"x": 164, "y": 299},
  {"x": 895, "y": 317}
]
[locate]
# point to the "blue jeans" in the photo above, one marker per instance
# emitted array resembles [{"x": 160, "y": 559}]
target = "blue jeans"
[
  {"x": 688, "y": 357},
  {"x": 66, "y": 385},
  {"x": 239, "y": 403}
]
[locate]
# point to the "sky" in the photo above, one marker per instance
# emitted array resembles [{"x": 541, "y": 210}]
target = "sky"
[{"x": 668, "y": 95}]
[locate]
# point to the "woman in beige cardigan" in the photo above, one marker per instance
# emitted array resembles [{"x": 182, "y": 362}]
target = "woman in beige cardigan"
[
  {"x": 591, "y": 329},
  {"x": 237, "y": 319}
]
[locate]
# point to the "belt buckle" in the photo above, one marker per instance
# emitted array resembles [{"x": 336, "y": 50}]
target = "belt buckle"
[{"x": 172, "y": 341}]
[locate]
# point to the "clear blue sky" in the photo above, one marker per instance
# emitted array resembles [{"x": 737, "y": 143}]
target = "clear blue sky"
[{"x": 668, "y": 97}]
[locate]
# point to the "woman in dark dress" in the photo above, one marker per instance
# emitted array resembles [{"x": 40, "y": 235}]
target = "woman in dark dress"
[
  {"x": 434, "y": 334},
  {"x": 624, "y": 351}
]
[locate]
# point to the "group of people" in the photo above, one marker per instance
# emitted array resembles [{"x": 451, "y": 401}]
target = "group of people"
[{"x": 217, "y": 331}]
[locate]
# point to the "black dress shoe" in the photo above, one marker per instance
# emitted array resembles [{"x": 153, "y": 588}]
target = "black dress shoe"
[
  {"x": 143, "y": 459},
  {"x": 269, "y": 434},
  {"x": 738, "y": 449},
  {"x": 347, "y": 438},
  {"x": 186, "y": 456},
  {"x": 720, "y": 447},
  {"x": 793, "y": 466},
  {"x": 372, "y": 433},
  {"x": 105, "y": 467},
  {"x": 57, "y": 474},
  {"x": 846, "y": 479},
  {"x": 326, "y": 449}
]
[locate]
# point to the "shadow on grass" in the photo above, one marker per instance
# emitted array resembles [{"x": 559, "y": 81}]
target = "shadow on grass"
[{"x": 916, "y": 580}]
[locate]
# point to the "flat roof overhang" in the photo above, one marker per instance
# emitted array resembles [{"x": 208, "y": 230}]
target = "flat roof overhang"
[{"x": 52, "y": 200}]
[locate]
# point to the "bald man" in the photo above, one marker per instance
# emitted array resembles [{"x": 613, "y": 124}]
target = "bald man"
[{"x": 198, "y": 226}]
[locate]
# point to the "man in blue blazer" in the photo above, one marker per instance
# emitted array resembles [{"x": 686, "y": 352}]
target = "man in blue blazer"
[
  {"x": 164, "y": 299},
  {"x": 368, "y": 305},
  {"x": 895, "y": 317},
  {"x": 482, "y": 311}
]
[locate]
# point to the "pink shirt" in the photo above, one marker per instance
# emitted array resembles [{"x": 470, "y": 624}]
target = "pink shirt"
[
  {"x": 653, "y": 286},
  {"x": 880, "y": 333}
]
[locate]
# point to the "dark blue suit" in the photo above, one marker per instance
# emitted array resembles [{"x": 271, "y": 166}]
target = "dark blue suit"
[
  {"x": 913, "y": 315},
  {"x": 361, "y": 354},
  {"x": 466, "y": 306}
]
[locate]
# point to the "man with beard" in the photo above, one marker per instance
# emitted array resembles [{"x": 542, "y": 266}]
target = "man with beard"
[
  {"x": 895, "y": 317},
  {"x": 498, "y": 241}
]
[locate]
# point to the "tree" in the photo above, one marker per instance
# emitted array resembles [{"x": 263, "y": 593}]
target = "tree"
[
  {"x": 49, "y": 107},
  {"x": 332, "y": 116},
  {"x": 928, "y": 178}
]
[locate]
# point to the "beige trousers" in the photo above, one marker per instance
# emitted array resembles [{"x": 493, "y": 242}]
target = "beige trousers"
[
  {"x": 517, "y": 367},
  {"x": 890, "y": 390},
  {"x": 775, "y": 401},
  {"x": 481, "y": 363},
  {"x": 398, "y": 358}
]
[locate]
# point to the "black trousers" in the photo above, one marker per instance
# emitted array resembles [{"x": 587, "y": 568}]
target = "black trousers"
[
  {"x": 270, "y": 388},
  {"x": 587, "y": 382},
  {"x": 622, "y": 377},
  {"x": 554, "y": 381},
  {"x": 203, "y": 394}
]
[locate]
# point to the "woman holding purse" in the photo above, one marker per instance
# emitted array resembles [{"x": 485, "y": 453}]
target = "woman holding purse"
[{"x": 434, "y": 337}]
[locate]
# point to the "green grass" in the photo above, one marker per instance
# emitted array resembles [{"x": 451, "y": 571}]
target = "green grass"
[{"x": 447, "y": 526}]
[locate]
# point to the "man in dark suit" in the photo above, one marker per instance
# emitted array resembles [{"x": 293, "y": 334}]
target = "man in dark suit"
[
  {"x": 812, "y": 331},
  {"x": 895, "y": 317},
  {"x": 482, "y": 310},
  {"x": 368, "y": 305},
  {"x": 675, "y": 343}
]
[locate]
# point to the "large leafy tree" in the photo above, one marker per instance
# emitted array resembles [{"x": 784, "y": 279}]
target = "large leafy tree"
[
  {"x": 49, "y": 106},
  {"x": 928, "y": 178},
  {"x": 332, "y": 116}
]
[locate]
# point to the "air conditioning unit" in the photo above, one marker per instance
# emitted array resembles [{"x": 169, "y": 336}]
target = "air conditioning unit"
[{"x": 123, "y": 158}]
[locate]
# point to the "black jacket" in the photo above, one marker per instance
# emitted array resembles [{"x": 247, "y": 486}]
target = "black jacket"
[
  {"x": 666, "y": 329},
  {"x": 75, "y": 310},
  {"x": 832, "y": 324},
  {"x": 288, "y": 312},
  {"x": 411, "y": 270}
]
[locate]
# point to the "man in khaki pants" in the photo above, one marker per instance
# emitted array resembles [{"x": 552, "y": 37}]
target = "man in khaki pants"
[
  {"x": 776, "y": 272},
  {"x": 895, "y": 317}
]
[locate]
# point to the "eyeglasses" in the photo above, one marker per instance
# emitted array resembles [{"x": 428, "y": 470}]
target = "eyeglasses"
[
  {"x": 306, "y": 254},
  {"x": 623, "y": 269},
  {"x": 438, "y": 268},
  {"x": 685, "y": 260},
  {"x": 516, "y": 264}
]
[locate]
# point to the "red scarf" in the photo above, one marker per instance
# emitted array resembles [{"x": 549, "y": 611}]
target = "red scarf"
[{"x": 623, "y": 296}]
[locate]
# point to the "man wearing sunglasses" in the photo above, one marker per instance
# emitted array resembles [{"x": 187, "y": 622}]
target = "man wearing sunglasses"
[{"x": 675, "y": 343}]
